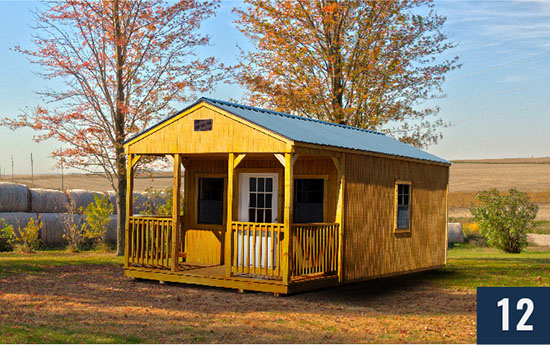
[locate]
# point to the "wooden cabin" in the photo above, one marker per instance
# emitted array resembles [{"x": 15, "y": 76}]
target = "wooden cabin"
[{"x": 280, "y": 203}]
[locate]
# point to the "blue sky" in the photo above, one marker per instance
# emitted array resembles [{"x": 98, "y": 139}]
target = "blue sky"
[{"x": 498, "y": 103}]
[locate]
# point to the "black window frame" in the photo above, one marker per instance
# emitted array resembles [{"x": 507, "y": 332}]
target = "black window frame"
[
  {"x": 200, "y": 179},
  {"x": 403, "y": 202},
  {"x": 296, "y": 217}
]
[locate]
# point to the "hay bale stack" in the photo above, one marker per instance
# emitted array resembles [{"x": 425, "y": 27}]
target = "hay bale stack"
[
  {"x": 156, "y": 199},
  {"x": 14, "y": 197},
  {"x": 48, "y": 201},
  {"x": 111, "y": 229},
  {"x": 17, "y": 219},
  {"x": 454, "y": 233},
  {"x": 81, "y": 197},
  {"x": 51, "y": 233},
  {"x": 140, "y": 202}
]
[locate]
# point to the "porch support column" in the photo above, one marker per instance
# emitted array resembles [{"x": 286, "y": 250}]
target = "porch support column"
[
  {"x": 176, "y": 201},
  {"x": 129, "y": 207},
  {"x": 340, "y": 164},
  {"x": 228, "y": 250},
  {"x": 289, "y": 198}
]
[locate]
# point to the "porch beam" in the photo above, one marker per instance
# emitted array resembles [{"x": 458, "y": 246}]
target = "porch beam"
[
  {"x": 176, "y": 201},
  {"x": 340, "y": 164},
  {"x": 136, "y": 159},
  {"x": 129, "y": 207},
  {"x": 238, "y": 160},
  {"x": 289, "y": 197},
  {"x": 280, "y": 158},
  {"x": 228, "y": 249}
]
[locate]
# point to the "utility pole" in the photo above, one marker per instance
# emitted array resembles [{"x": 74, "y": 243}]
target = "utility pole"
[
  {"x": 32, "y": 170},
  {"x": 11, "y": 168}
]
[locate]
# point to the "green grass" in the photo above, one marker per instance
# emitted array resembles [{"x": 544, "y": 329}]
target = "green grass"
[
  {"x": 471, "y": 267},
  {"x": 17, "y": 263},
  {"x": 53, "y": 334}
]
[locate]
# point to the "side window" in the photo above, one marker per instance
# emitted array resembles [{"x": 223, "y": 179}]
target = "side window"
[
  {"x": 210, "y": 203},
  {"x": 403, "y": 192},
  {"x": 308, "y": 200}
]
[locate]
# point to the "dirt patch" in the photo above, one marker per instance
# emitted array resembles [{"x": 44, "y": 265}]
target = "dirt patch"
[
  {"x": 97, "y": 299},
  {"x": 539, "y": 240}
]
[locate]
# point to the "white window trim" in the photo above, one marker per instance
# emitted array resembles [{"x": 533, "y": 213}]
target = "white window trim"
[{"x": 244, "y": 190}]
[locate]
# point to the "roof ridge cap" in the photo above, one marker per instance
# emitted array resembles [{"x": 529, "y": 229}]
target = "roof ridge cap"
[{"x": 303, "y": 118}]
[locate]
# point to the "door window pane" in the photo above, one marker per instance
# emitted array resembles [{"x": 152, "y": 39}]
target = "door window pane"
[{"x": 260, "y": 206}]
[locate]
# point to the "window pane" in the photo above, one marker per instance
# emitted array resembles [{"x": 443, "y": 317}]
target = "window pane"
[
  {"x": 259, "y": 216},
  {"x": 268, "y": 216},
  {"x": 269, "y": 184},
  {"x": 252, "y": 184},
  {"x": 261, "y": 184},
  {"x": 403, "y": 217},
  {"x": 252, "y": 201},
  {"x": 406, "y": 200},
  {"x": 260, "y": 198},
  {"x": 399, "y": 189},
  {"x": 405, "y": 189},
  {"x": 251, "y": 214},
  {"x": 268, "y": 200},
  {"x": 210, "y": 201}
]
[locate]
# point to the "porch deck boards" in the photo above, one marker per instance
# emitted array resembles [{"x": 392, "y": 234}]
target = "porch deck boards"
[{"x": 214, "y": 275}]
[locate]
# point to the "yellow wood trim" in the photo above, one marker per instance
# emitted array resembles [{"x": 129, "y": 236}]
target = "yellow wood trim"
[
  {"x": 217, "y": 110},
  {"x": 239, "y": 159},
  {"x": 294, "y": 158},
  {"x": 289, "y": 196},
  {"x": 408, "y": 229},
  {"x": 136, "y": 159},
  {"x": 129, "y": 208},
  {"x": 340, "y": 210},
  {"x": 325, "y": 192},
  {"x": 228, "y": 232},
  {"x": 326, "y": 150},
  {"x": 280, "y": 158},
  {"x": 176, "y": 219}
]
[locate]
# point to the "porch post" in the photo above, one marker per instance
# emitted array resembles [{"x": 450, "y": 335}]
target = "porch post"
[
  {"x": 176, "y": 201},
  {"x": 228, "y": 251},
  {"x": 289, "y": 198},
  {"x": 341, "y": 168},
  {"x": 129, "y": 207}
]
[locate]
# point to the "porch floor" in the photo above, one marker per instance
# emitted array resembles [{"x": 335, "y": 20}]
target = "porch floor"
[{"x": 214, "y": 275}]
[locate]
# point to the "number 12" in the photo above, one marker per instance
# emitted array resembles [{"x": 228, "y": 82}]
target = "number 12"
[{"x": 521, "y": 326}]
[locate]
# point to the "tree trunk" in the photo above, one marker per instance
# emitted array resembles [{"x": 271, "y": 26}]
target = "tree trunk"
[{"x": 119, "y": 133}]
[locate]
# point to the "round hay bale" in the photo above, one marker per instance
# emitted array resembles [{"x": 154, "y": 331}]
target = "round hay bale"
[
  {"x": 53, "y": 229},
  {"x": 140, "y": 202},
  {"x": 454, "y": 233},
  {"x": 81, "y": 197},
  {"x": 17, "y": 219},
  {"x": 48, "y": 201},
  {"x": 111, "y": 229},
  {"x": 156, "y": 200},
  {"x": 13, "y": 197},
  {"x": 112, "y": 199}
]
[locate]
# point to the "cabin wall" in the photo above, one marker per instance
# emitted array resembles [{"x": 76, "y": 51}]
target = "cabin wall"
[{"x": 371, "y": 247}]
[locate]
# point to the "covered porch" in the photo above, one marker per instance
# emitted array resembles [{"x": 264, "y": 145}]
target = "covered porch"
[{"x": 249, "y": 221}]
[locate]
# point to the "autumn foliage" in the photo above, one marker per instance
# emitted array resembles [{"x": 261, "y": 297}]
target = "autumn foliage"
[
  {"x": 120, "y": 64},
  {"x": 364, "y": 63}
]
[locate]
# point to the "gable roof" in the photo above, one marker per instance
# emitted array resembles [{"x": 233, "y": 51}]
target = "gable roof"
[{"x": 317, "y": 132}]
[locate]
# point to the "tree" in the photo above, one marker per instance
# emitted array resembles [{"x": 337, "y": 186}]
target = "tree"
[
  {"x": 505, "y": 219},
  {"x": 122, "y": 64},
  {"x": 364, "y": 63}
]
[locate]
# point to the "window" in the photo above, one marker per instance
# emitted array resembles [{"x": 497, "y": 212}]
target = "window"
[
  {"x": 403, "y": 208},
  {"x": 210, "y": 207},
  {"x": 260, "y": 202},
  {"x": 202, "y": 125},
  {"x": 308, "y": 200}
]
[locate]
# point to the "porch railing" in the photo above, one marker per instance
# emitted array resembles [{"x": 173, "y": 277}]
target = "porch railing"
[
  {"x": 314, "y": 248},
  {"x": 257, "y": 248},
  {"x": 150, "y": 241}
]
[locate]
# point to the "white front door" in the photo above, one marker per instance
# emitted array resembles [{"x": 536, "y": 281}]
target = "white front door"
[{"x": 258, "y": 197}]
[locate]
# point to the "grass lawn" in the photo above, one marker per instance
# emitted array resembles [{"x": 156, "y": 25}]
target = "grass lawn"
[{"x": 57, "y": 297}]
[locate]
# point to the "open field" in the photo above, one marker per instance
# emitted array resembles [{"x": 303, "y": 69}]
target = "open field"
[{"x": 61, "y": 297}]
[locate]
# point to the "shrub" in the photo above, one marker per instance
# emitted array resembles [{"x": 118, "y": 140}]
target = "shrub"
[
  {"x": 98, "y": 216},
  {"x": 72, "y": 227},
  {"x": 28, "y": 238},
  {"x": 7, "y": 236},
  {"x": 160, "y": 203},
  {"x": 472, "y": 234},
  {"x": 505, "y": 219}
]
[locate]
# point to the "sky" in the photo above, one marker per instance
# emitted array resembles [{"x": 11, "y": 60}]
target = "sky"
[{"x": 497, "y": 105}]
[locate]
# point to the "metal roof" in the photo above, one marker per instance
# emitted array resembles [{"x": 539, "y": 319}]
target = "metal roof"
[{"x": 311, "y": 131}]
